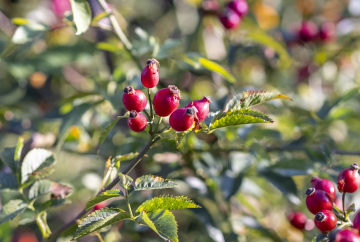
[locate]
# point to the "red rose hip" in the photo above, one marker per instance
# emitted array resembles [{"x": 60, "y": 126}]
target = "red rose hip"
[
  {"x": 182, "y": 119},
  {"x": 134, "y": 99},
  {"x": 318, "y": 200},
  {"x": 325, "y": 221},
  {"x": 356, "y": 221},
  {"x": 297, "y": 219},
  {"x": 240, "y": 7},
  {"x": 327, "y": 32},
  {"x": 229, "y": 19},
  {"x": 150, "y": 74},
  {"x": 202, "y": 107},
  {"x": 308, "y": 31},
  {"x": 324, "y": 185},
  {"x": 166, "y": 101},
  {"x": 347, "y": 235},
  {"x": 349, "y": 179},
  {"x": 137, "y": 121}
]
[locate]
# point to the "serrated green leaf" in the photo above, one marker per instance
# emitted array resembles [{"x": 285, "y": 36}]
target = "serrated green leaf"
[
  {"x": 100, "y": 219},
  {"x": 166, "y": 203},
  {"x": 118, "y": 159},
  {"x": 12, "y": 209},
  {"x": 106, "y": 131},
  {"x": 350, "y": 209},
  {"x": 103, "y": 197},
  {"x": 7, "y": 181},
  {"x": 150, "y": 182},
  {"x": 214, "y": 67},
  {"x": 81, "y": 15},
  {"x": 28, "y": 220},
  {"x": 39, "y": 188},
  {"x": 239, "y": 117},
  {"x": 171, "y": 134},
  {"x": 162, "y": 222},
  {"x": 36, "y": 164},
  {"x": 7, "y": 156},
  {"x": 251, "y": 98},
  {"x": 125, "y": 181}
]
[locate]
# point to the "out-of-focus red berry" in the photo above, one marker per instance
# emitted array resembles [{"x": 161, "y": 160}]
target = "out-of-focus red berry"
[
  {"x": 297, "y": 219},
  {"x": 59, "y": 7},
  {"x": 327, "y": 32},
  {"x": 347, "y": 235},
  {"x": 229, "y": 19},
  {"x": 308, "y": 31},
  {"x": 240, "y": 7}
]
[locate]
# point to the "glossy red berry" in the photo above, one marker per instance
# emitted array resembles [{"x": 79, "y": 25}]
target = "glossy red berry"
[
  {"x": 318, "y": 200},
  {"x": 229, "y": 19},
  {"x": 134, "y": 99},
  {"x": 150, "y": 74},
  {"x": 137, "y": 121},
  {"x": 349, "y": 179},
  {"x": 202, "y": 107},
  {"x": 325, "y": 221},
  {"x": 166, "y": 101},
  {"x": 240, "y": 7},
  {"x": 347, "y": 235},
  {"x": 308, "y": 31},
  {"x": 182, "y": 119},
  {"x": 327, "y": 32},
  {"x": 356, "y": 221},
  {"x": 297, "y": 219},
  {"x": 324, "y": 185}
]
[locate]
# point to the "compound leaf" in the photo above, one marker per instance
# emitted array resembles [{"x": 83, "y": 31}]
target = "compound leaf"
[
  {"x": 100, "y": 219},
  {"x": 166, "y": 203},
  {"x": 103, "y": 197},
  {"x": 162, "y": 222},
  {"x": 150, "y": 182}
]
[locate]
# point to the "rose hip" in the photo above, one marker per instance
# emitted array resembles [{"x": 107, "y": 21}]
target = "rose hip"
[
  {"x": 308, "y": 31},
  {"x": 150, "y": 73},
  {"x": 318, "y": 200},
  {"x": 182, "y": 119},
  {"x": 202, "y": 106},
  {"x": 325, "y": 220},
  {"x": 134, "y": 99},
  {"x": 349, "y": 179},
  {"x": 240, "y": 7},
  {"x": 229, "y": 19},
  {"x": 166, "y": 101},
  {"x": 324, "y": 185},
  {"x": 297, "y": 219},
  {"x": 137, "y": 121},
  {"x": 347, "y": 235}
]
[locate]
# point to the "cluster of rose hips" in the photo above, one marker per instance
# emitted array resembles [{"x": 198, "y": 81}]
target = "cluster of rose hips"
[
  {"x": 166, "y": 102},
  {"x": 233, "y": 13},
  {"x": 320, "y": 202},
  {"x": 310, "y": 32}
]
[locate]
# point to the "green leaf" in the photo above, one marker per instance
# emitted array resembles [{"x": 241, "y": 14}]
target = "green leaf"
[
  {"x": 39, "y": 188},
  {"x": 293, "y": 167},
  {"x": 118, "y": 159},
  {"x": 36, "y": 164},
  {"x": 125, "y": 181},
  {"x": 103, "y": 197},
  {"x": 100, "y": 219},
  {"x": 251, "y": 98},
  {"x": 284, "y": 184},
  {"x": 27, "y": 32},
  {"x": 106, "y": 131},
  {"x": 255, "y": 34},
  {"x": 56, "y": 202},
  {"x": 150, "y": 182},
  {"x": 18, "y": 150},
  {"x": 7, "y": 181},
  {"x": 239, "y": 117},
  {"x": 12, "y": 209},
  {"x": 171, "y": 134},
  {"x": 166, "y": 203},
  {"x": 350, "y": 209},
  {"x": 319, "y": 238},
  {"x": 7, "y": 156},
  {"x": 162, "y": 222},
  {"x": 81, "y": 15},
  {"x": 214, "y": 67}
]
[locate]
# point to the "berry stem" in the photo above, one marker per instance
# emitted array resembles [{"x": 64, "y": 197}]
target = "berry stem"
[
  {"x": 158, "y": 124},
  {"x": 147, "y": 114},
  {"x": 151, "y": 111},
  {"x": 343, "y": 205}
]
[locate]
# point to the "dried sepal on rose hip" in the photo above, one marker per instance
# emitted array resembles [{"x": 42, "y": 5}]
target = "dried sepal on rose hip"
[
  {"x": 150, "y": 73},
  {"x": 317, "y": 200},
  {"x": 134, "y": 99},
  {"x": 325, "y": 221},
  {"x": 182, "y": 119},
  {"x": 202, "y": 107},
  {"x": 137, "y": 121},
  {"x": 166, "y": 101},
  {"x": 349, "y": 179},
  {"x": 297, "y": 219},
  {"x": 324, "y": 185}
]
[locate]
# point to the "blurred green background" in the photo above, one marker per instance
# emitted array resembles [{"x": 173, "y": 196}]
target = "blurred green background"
[{"x": 59, "y": 91}]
